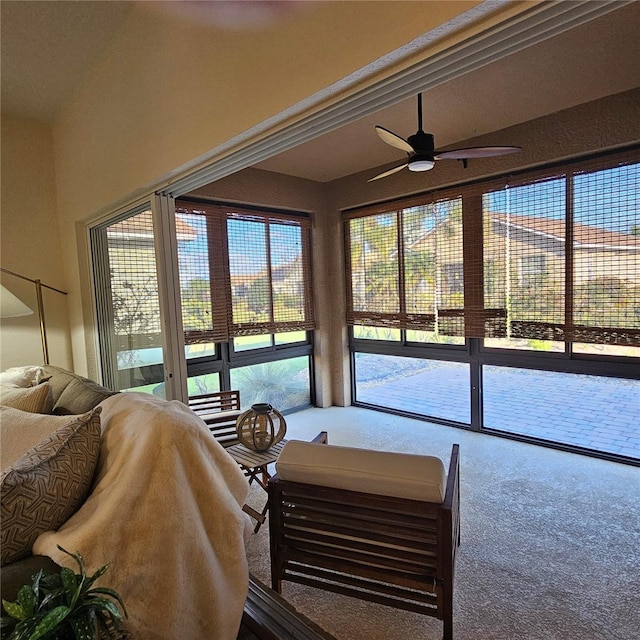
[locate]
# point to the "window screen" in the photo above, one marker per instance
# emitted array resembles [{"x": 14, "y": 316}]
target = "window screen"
[
  {"x": 547, "y": 255},
  {"x": 405, "y": 266},
  {"x": 246, "y": 272},
  {"x": 134, "y": 284},
  {"x": 606, "y": 255},
  {"x": 130, "y": 329},
  {"x": 524, "y": 256}
]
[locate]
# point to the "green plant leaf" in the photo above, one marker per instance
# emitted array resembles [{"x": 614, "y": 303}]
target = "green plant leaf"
[
  {"x": 111, "y": 593},
  {"x": 50, "y": 622},
  {"x": 52, "y": 599},
  {"x": 70, "y": 584},
  {"x": 35, "y": 586},
  {"x": 63, "y": 605},
  {"x": 79, "y": 561},
  {"x": 27, "y": 600},
  {"x": 83, "y": 628},
  {"x": 102, "y": 604},
  {"x": 99, "y": 573},
  {"x": 24, "y": 629},
  {"x": 14, "y": 609}
]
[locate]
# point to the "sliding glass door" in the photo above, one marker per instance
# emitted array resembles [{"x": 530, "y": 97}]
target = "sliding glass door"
[{"x": 128, "y": 298}]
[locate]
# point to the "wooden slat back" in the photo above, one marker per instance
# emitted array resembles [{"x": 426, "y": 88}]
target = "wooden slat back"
[
  {"x": 215, "y": 401},
  {"x": 219, "y": 410}
]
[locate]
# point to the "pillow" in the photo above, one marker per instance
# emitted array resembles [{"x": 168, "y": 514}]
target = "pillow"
[
  {"x": 21, "y": 431},
  {"x": 32, "y": 399},
  {"x": 22, "y": 376},
  {"x": 80, "y": 395},
  {"x": 45, "y": 487},
  {"x": 386, "y": 473}
]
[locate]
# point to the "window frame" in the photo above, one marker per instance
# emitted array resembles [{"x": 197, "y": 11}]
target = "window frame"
[{"x": 218, "y": 214}]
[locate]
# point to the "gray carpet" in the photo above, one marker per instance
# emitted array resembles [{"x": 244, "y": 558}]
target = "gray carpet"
[{"x": 550, "y": 540}]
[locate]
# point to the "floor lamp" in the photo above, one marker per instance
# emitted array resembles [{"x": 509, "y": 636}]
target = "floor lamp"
[{"x": 11, "y": 306}]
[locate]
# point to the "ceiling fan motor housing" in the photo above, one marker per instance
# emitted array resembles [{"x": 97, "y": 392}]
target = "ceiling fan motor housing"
[{"x": 423, "y": 145}]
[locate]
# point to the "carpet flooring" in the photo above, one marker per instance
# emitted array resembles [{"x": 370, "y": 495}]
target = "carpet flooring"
[{"x": 550, "y": 540}]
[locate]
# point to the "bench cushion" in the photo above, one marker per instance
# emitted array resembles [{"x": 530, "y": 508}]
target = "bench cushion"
[{"x": 399, "y": 475}]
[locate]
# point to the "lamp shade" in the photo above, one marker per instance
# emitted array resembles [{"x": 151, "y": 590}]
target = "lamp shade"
[{"x": 11, "y": 306}]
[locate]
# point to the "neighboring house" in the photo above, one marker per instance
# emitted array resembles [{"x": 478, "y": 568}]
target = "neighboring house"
[
  {"x": 538, "y": 246},
  {"x": 535, "y": 246}
]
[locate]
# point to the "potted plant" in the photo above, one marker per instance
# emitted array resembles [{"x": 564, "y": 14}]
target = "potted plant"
[{"x": 64, "y": 606}]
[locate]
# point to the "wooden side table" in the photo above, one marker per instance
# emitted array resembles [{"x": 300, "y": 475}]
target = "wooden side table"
[{"x": 255, "y": 465}]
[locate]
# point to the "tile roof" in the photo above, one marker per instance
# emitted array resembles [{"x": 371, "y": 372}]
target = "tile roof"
[{"x": 583, "y": 235}]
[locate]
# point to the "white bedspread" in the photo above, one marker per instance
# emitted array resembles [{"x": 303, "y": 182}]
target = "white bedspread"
[{"x": 166, "y": 512}]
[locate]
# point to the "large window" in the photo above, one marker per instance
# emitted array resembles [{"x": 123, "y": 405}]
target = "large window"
[
  {"x": 245, "y": 284},
  {"x": 566, "y": 253},
  {"x": 534, "y": 272},
  {"x": 244, "y": 300},
  {"x": 405, "y": 267},
  {"x": 536, "y": 257},
  {"x": 246, "y": 273}
]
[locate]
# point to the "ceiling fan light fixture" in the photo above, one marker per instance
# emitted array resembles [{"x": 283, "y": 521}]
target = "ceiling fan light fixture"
[
  {"x": 421, "y": 163},
  {"x": 422, "y": 153}
]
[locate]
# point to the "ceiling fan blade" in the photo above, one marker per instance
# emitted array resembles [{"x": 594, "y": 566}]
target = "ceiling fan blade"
[
  {"x": 394, "y": 140},
  {"x": 389, "y": 172},
  {"x": 475, "y": 152}
]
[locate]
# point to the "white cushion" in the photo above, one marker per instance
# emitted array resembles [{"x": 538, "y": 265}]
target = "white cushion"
[
  {"x": 22, "y": 376},
  {"x": 400, "y": 475}
]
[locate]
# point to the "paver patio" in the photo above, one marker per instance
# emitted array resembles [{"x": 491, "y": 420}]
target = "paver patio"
[{"x": 594, "y": 412}]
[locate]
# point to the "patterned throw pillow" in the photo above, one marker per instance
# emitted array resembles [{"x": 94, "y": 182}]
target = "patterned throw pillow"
[
  {"x": 21, "y": 431},
  {"x": 32, "y": 399},
  {"x": 45, "y": 487}
]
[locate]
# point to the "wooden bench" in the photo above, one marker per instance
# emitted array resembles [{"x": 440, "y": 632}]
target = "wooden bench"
[
  {"x": 390, "y": 550},
  {"x": 219, "y": 410}
]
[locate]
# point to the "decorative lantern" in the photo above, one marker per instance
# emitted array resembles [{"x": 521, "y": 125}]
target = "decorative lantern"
[{"x": 260, "y": 427}]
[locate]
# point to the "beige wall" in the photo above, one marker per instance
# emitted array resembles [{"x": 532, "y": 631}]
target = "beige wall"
[{"x": 30, "y": 244}]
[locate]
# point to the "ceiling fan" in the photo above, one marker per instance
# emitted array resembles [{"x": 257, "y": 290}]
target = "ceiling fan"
[{"x": 421, "y": 152}]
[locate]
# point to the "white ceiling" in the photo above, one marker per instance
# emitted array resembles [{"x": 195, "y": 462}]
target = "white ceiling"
[{"x": 48, "y": 47}]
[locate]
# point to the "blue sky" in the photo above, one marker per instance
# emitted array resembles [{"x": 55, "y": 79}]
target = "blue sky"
[
  {"x": 608, "y": 199},
  {"x": 247, "y": 247}
]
